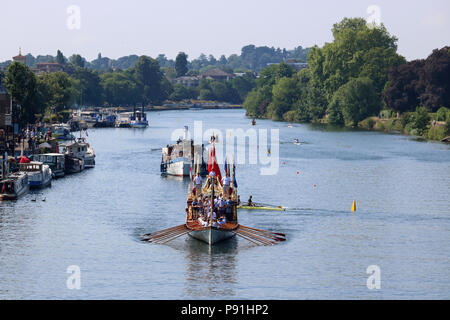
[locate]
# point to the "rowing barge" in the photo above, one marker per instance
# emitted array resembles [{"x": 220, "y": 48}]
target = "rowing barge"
[{"x": 211, "y": 213}]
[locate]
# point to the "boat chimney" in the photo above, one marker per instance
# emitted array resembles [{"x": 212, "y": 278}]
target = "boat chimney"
[{"x": 186, "y": 132}]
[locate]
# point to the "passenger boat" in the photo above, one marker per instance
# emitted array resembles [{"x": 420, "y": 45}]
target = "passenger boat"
[
  {"x": 62, "y": 132},
  {"x": 14, "y": 186},
  {"x": 123, "y": 120},
  {"x": 39, "y": 174},
  {"x": 81, "y": 150},
  {"x": 178, "y": 159},
  {"x": 56, "y": 162},
  {"x": 73, "y": 164},
  {"x": 139, "y": 119}
]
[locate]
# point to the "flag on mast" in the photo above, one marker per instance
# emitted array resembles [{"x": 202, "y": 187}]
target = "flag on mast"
[{"x": 212, "y": 163}]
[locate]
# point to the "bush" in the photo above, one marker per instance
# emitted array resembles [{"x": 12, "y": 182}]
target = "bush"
[
  {"x": 437, "y": 133},
  {"x": 368, "y": 123},
  {"x": 421, "y": 120},
  {"x": 291, "y": 116},
  {"x": 443, "y": 114}
]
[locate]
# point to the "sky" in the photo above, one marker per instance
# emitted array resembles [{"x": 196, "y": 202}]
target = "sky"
[{"x": 146, "y": 27}]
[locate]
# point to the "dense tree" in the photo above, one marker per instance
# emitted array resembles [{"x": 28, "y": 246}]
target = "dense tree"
[
  {"x": 355, "y": 100},
  {"x": 21, "y": 84},
  {"x": 181, "y": 64},
  {"x": 60, "y": 58},
  {"x": 77, "y": 61},
  {"x": 89, "y": 87},
  {"x": 149, "y": 74},
  {"x": 420, "y": 83},
  {"x": 58, "y": 90}
]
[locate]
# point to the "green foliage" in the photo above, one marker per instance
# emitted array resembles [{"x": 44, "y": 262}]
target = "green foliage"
[
  {"x": 181, "y": 92},
  {"x": 357, "y": 51},
  {"x": 443, "y": 114},
  {"x": 437, "y": 133},
  {"x": 58, "y": 89},
  {"x": 420, "y": 83},
  {"x": 148, "y": 73},
  {"x": 420, "y": 120},
  {"x": 181, "y": 63},
  {"x": 77, "y": 61},
  {"x": 23, "y": 87},
  {"x": 356, "y": 100}
]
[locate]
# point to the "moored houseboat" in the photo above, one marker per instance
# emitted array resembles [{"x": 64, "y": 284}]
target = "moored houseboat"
[
  {"x": 56, "y": 162},
  {"x": 14, "y": 186},
  {"x": 39, "y": 174}
]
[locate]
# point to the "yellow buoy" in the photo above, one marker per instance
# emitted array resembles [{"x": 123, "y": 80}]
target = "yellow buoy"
[{"x": 354, "y": 206}]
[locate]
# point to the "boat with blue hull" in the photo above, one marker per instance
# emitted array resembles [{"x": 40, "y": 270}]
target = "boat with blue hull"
[{"x": 39, "y": 174}]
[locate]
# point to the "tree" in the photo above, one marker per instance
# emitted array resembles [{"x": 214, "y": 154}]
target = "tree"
[
  {"x": 148, "y": 73},
  {"x": 356, "y": 100},
  {"x": 89, "y": 87},
  {"x": 60, "y": 58},
  {"x": 181, "y": 64},
  {"x": 421, "y": 120},
  {"x": 58, "y": 89},
  {"x": 21, "y": 84},
  {"x": 77, "y": 61}
]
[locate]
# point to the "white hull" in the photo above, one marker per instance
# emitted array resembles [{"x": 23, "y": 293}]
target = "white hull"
[
  {"x": 212, "y": 235},
  {"x": 178, "y": 168}
]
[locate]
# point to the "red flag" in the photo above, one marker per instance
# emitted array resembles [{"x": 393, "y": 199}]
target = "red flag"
[{"x": 212, "y": 163}]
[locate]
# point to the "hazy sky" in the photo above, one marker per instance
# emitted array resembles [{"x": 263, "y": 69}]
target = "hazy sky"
[{"x": 119, "y": 28}]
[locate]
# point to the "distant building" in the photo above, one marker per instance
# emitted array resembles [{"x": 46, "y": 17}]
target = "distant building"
[
  {"x": 47, "y": 67},
  {"x": 20, "y": 58},
  {"x": 187, "y": 81},
  {"x": 293, "y": 64},
  {"x": 217, "y": 75}
]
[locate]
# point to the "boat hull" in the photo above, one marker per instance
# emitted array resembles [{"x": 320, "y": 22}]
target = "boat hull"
[
  {"x": 180, "y": 168},
  {"x": 211, "y": 235}
]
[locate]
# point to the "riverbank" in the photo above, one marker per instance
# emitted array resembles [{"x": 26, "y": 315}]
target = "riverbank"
[{"x": 432, "y": 131}]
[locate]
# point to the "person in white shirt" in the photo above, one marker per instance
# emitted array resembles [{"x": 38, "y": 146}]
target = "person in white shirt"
[
  {"x": 198, "y": 184},
  {"x": 226, "y": 182}
]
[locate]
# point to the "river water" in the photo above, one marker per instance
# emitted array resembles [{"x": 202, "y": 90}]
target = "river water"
[{"x": 94, "y": 220}]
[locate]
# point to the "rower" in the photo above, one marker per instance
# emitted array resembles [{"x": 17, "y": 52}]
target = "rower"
[
  {"x": 250, "y": 202},
  {"x": 222, "y": 205},
  {"x": 229, "y": 209}
]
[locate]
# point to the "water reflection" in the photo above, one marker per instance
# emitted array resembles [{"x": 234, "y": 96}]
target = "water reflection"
[{"x": 210, "y": 270}]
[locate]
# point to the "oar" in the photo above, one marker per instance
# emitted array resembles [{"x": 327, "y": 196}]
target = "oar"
[
  {"x": 264, "y": 231},
  {"x": 165, "y": 230},
  {"x": 265, "y": 235},
  {"x": 182, "y": 234},
  {"x": 240, "y": 235},
  {"x": 166, "y": 236},
  {"x": 256, "y": 237}
]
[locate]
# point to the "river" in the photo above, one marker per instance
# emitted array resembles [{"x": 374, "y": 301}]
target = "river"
[{"x": 94, "y": 220}]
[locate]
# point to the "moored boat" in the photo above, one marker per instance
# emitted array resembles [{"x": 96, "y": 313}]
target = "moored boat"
[
  {"x": 56, "y": 162},
  {"x": 14, "y": 186},
  {"x": 39, "y": 174}
]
